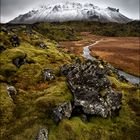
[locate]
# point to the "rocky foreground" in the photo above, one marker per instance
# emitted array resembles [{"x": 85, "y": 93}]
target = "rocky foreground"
[
  {"x": 50, "y": 94},
  {"x": 92, "y": 91}
]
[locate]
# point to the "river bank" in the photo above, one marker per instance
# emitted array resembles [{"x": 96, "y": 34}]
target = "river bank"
[
  {"x": 87, "y": 54},
  {"x": 121, "y": 52}
]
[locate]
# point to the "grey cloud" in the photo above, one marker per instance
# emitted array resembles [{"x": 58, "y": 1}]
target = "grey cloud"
[{"x": 12, "y": 8}]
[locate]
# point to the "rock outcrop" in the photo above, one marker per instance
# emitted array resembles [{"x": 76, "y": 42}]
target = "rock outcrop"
[
  {"x": 42, "y": 135},
  {"x": 19, "y": 61},
  {"x": 12, "y": 92},
  {"x": 62, "y": 111},
  {"x": 42, "y": 45},
  {"x": 48, "y": 74},
  {"x": 15, "y": 40},
  {"x": 92, "y": 91}
]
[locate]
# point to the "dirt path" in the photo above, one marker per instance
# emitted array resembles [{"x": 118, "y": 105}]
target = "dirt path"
[{"x": 121, "y": 52}]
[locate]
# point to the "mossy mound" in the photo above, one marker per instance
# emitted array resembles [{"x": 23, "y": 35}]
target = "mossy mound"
[{"x": 23, "y": 117}]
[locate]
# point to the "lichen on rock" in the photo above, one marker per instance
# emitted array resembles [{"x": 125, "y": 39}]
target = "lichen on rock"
[
  {"x": 87, "y": 80},
  {"x": 64, "y": 110},
  {"x": 42, "y": 134}
]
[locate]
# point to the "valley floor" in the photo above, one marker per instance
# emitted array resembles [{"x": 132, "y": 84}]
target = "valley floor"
[{"x": 121, "y": 52}]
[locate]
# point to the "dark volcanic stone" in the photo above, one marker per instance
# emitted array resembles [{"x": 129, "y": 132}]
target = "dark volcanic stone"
[
  {"x": 64, "y": 110},
  {"x": 86, "y": 81},
  {"x": 42, "y": 45},
  {"x": 19, "y": 61},
  {"x": 83, "y": 117},
  {"x": 2, "y": 48},
  {"x": 42, "y": 135},
  {"x": 113, "y": 100},
  {"x": 15, "y": 41},
  {"x": 12, "y": 92},
  {"x": 64, "y": 70},
  {"x": 48, "y": 74}
]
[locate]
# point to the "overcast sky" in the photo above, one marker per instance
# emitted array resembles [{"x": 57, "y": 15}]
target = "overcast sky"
[{"x": 12, "y": 8}]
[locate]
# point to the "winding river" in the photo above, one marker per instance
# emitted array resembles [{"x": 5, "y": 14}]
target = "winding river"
[{"x": 86, "y": 54}]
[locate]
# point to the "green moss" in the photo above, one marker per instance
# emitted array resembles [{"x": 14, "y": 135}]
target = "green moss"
[
  {"x": 6, "y": 106},
  {"x": 57, "y": 32},
  {"x": 5, "y": 40},
  {"x": 119, "y": 85},
  {"x": 56, "y": 94},
  {"x": 39, "y": 59},
  {"x": 27, "y": 76},
  {"x": 6, "y": 61},
  {"x": 23, "y": 117},
  {"x": 73, "y": 129},
  {"x": 125, "y": 126},
  {"x": 35, "y": 95}
]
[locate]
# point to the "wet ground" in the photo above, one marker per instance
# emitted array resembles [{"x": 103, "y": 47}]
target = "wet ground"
[{"x": 122, "y": 52}]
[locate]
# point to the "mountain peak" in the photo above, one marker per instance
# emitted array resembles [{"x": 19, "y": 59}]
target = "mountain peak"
[{"x": 71, "y": 11}]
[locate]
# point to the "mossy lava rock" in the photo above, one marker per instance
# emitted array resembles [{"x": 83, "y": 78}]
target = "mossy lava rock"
[{"x": 92, "y": 90}]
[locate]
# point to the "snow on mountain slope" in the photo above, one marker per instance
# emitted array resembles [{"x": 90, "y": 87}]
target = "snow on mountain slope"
[{"x": 71, "y": 12}]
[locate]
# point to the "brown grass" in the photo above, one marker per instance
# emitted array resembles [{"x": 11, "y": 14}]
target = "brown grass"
[
  {"x": 121, "y": 52},
  {"x": 77, "y": 46}
]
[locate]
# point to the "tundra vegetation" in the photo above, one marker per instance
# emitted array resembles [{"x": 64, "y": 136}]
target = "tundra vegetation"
[{"x": 27, "y": 96}]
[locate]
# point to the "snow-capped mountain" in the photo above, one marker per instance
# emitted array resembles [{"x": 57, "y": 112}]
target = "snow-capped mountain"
[{"x": 71, "y": 12}]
